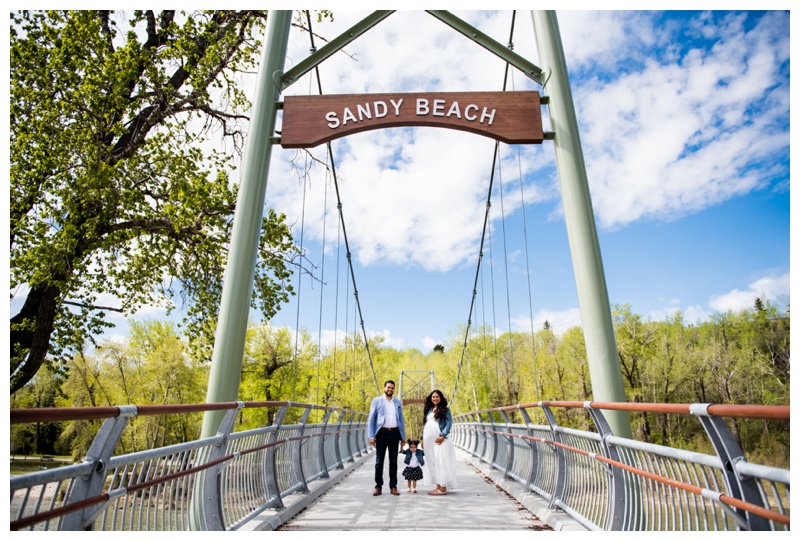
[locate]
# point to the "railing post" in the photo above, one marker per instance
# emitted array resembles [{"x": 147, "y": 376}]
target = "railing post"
[
  {"x": 533, "y": 449},
  {"x": 350, "y": 455},
  {"x": 362, "y": 433},
  {"x": 270, "y": 461},
  {"x": 457, "y": 434},
  {"x": 99, "y": 452},
  {"x": 465, "y": 429},
  {"x": 509, "y": 442},
  {"x": 561, "y": 461},
  {"x": 730, "y": 453},
  {"x": 493, "y": 459},
  {"x": 617, "y": 496},
  {"x": 297, "y": 461},
  {"x": 484, "y": 438},
  {"x": 207, "y": 512},
  {"x": 325, "y": 419},
  {"x": 474, "y": 436},
  {"x": 337, "y": 440}
]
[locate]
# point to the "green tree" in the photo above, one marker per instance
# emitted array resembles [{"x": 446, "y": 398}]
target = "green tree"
[
  {"x": 150, "y": 367},
  {"x": 114, "y": 192},
  {"x": 572, "y": 374},
  {"x": 635, "y": 341},
  {"x": 666, "y": 376},
  {"x": 41, "y": 437},
  {"x": 772, "y": 340}
]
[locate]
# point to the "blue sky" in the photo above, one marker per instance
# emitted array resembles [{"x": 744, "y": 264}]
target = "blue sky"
[{"x": 684, "y": 120}]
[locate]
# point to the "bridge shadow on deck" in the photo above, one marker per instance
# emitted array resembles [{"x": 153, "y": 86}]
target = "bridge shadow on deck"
[{"x": 345, "y": 503}]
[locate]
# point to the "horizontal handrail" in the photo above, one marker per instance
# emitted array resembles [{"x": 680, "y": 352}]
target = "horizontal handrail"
[
  {"x": 38, "y": 415},
  {"x": 107, "y": 496},
  {"x": 276, "y": 479},
  {"x": 735, "y": 502},
  {"x": 714, "y": 491},
  {"x": 722, "y": 410}
]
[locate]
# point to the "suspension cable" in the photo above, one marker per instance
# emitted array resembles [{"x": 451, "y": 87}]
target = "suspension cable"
[
  {"x": 299, "y": 285},
  {"x": 494, "y": 312},
  {"x": 483, "y": 233},
  {"x": 508, "y": 294},
  {"x": 527, "y": 271},
  {"x": 322, "y": 286},
  {"x": 483, "y": 316},
  {"x": 336, "y": 307},
  {"x": 477, "y": 274},
  {"x": 344, "y": 230}
]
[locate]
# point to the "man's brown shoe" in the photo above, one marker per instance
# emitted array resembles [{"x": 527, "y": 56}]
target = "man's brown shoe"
[
  {"x": 395, "y": 492},
  {"x": 376, "y": 492}
]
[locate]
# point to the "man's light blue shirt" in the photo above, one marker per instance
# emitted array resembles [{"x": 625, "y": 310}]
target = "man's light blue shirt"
[{"x": 377, "y": 416}]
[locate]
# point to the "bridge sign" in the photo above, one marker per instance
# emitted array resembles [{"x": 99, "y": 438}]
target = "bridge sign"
[{"x": 510, "y": 117}]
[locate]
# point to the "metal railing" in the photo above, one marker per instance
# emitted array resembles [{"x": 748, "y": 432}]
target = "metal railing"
[
  {"x": 217, "y": 483},
  {"x": 610, "y": 483}
]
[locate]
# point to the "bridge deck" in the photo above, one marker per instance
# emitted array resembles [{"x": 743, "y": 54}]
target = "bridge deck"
[{"x": 347, "y": 503}]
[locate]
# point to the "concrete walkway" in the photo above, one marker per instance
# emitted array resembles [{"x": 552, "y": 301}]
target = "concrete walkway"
[{"x": 476, "y": 504}]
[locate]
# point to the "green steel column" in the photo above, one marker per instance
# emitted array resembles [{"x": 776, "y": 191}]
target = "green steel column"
[
  {"x": 226, "y": 362},
  {"x": 598, "y": 327}
]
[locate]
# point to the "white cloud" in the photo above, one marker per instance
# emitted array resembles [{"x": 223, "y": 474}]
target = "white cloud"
[
  {"x": 329, "y": 337},
  {"x": 695, "y": 314},
  {"x": 429, "y": 342},
  {"x": 670, "y": 133},
  {"x": 770, "y": 287},
  {"x": 678, "y": 136},
  {"x": 388, "y": 341},
  {"x": 560, "y": 321},
  {"x": 596, "y": 38},
  {"x": 410, "y": 197},
  {"x": 692, "y": 315}
]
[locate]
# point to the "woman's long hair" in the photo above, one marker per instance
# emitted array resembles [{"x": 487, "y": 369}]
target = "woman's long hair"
[{"x": 440, "y": 411}]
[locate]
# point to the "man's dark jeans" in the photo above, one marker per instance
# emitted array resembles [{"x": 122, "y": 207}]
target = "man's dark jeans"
[{"x": 386, "y": 440}]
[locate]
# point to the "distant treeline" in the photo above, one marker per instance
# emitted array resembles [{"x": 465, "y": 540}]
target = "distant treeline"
[{"x": 733, "y": 358}]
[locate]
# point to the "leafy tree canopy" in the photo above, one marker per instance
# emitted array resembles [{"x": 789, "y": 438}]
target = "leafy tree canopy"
[{"x": 115, "y": 192}]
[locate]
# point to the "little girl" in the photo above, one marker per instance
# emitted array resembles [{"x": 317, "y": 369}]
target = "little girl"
[{"x": 415, "y": 458}]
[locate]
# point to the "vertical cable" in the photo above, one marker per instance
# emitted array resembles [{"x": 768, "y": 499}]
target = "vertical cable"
[
  {"x": 483, "y": 233},
  {"x": 494, "y": 314},
  {"x": 512, "y": 385},
  {"x": 527, "y": 273},
  {"x": 344, "y": 230},
  {"x": 336, "y": 307},
  {"x": 299, "y": 284},
  {"x": 477, "y": 274},
  {"x": 322, "y": 285}
]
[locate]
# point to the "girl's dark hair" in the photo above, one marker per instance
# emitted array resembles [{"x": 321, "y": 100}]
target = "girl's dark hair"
[
  {"x": 413, "y": 442},
  {"x": 440, "y": 411}
]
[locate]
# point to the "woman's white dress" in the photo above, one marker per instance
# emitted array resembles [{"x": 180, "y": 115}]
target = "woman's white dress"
[{"x": 440, "y": 460}]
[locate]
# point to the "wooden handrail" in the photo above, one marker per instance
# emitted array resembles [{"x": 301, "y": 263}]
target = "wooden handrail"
[
  {"x": 39, "y": 415},
  {"x": 749, "y": 411}
]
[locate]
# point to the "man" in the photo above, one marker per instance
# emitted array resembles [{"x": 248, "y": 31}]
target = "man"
[{"x": 386, "y": 431}]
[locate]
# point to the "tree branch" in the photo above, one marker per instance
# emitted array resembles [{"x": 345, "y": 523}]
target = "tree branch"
[{"x": 93, "y": 307}]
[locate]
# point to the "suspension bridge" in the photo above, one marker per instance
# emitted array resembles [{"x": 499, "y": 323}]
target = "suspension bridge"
[
  {"x": 304, "y": 474},
  {"x": 521, "y": 466}
]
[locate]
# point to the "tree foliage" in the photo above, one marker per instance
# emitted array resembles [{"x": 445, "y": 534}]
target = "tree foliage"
[
  {"x": 722, "y": 360},
  {"x": 116, "y": 192},
  {"x": 151, "y": 367}
]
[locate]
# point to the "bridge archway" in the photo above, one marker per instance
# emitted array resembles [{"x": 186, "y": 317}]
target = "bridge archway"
[{"x": 587, "y": 262}]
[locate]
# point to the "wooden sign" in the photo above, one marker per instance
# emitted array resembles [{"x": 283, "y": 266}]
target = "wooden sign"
[{"x": 510, "y": 117}]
